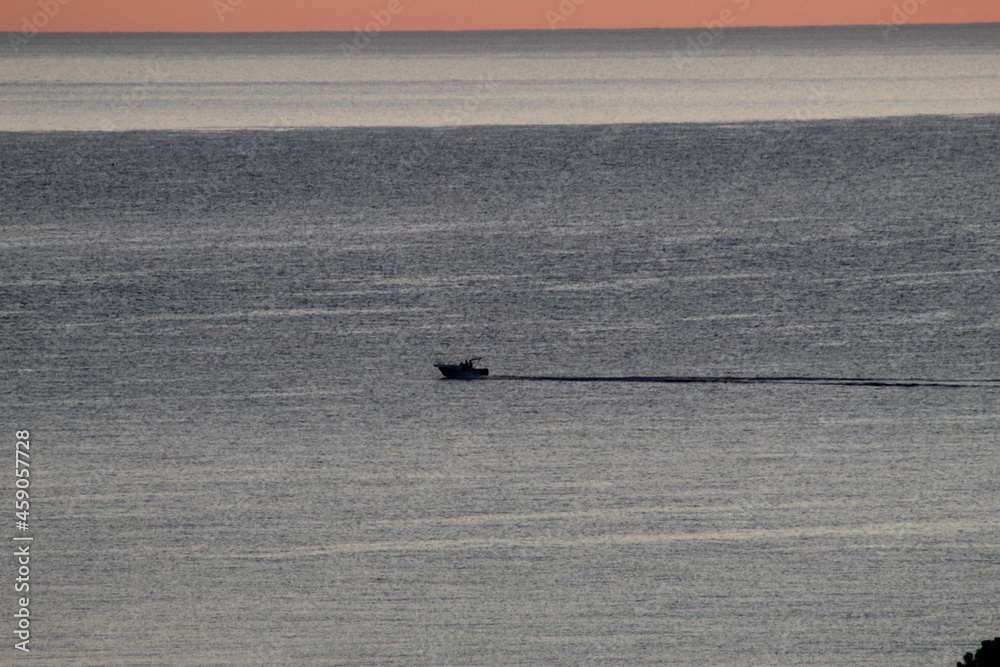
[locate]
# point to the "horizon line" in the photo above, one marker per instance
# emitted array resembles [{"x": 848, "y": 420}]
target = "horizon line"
[{"x": 490, "y": 30}]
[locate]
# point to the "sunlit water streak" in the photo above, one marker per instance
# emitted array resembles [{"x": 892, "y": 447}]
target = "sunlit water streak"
[
  {"x": 948, "y": 530},
  {"x": 446, "y": 80}
]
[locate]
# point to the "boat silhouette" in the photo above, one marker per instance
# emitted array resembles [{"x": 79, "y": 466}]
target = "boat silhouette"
[{"x": 465, "y": 370}]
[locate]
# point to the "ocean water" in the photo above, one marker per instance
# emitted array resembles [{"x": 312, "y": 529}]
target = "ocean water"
[
  {"x": 222, "y": 345},
  {"x": 151, "y": 81}
]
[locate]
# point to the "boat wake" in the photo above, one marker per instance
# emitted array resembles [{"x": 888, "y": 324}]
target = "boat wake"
[{"x": 854, "y": 382}]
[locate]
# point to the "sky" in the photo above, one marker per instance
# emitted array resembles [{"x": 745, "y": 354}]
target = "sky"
[{"x": 27, "y": 16}]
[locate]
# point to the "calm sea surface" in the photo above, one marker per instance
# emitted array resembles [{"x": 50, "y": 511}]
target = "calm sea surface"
[
  {"x": 222, "y": 344},
  {"x": 121, "y": 82}
]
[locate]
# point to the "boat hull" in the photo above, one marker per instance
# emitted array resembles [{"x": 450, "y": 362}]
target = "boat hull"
[{"x": 458, "y": 372}]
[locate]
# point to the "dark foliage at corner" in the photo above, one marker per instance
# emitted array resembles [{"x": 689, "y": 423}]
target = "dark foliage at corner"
[{"x": 988, "y": 655}]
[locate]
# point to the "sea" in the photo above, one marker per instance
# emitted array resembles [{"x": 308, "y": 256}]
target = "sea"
[{"x": 738, "y": 292}]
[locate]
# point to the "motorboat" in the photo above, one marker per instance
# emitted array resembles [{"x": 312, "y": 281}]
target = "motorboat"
[{"x": 466, "y": 370}]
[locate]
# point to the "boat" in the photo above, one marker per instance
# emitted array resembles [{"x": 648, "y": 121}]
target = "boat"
[{"x": 466, "y": 370}]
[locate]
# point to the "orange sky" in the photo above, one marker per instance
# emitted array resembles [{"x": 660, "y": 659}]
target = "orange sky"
[{"x": 322, "y": 15}]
